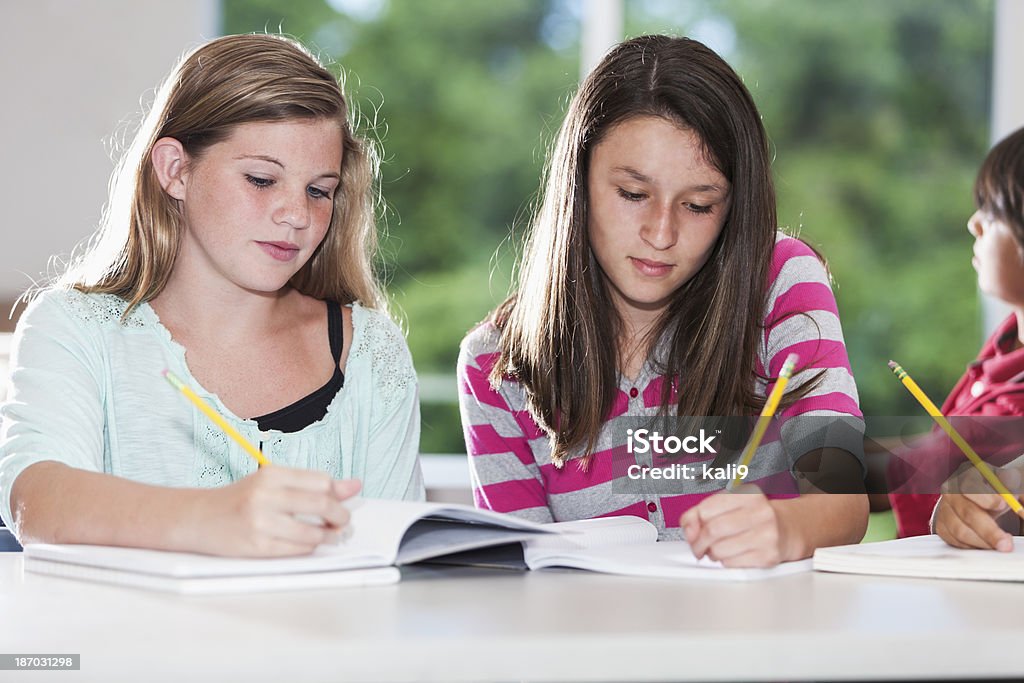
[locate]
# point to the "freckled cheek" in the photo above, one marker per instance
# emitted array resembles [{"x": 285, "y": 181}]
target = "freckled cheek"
[
  {"x": 209, "y": 214},
  {"x": 228, "y": 207},
  {"x": 322, "y": 221}
]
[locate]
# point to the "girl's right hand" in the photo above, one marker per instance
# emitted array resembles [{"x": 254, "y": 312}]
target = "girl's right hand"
[
  {"x": 966, "y": 514},
  {"x": 268, "y": 513}
]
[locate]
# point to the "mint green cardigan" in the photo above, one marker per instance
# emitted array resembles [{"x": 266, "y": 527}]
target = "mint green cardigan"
[{"x": 86, "y": 390}]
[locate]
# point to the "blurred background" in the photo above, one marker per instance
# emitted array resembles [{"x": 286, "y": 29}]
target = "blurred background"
[{"x": 879, "y": 113}]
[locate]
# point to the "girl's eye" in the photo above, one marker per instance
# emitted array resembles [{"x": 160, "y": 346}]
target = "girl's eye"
[
  {"x": 697, "y": 208},
  {"x": 318, "y": 193},
  {"x": 631, "y": 196},
  {"x": 257, "y": 182}
]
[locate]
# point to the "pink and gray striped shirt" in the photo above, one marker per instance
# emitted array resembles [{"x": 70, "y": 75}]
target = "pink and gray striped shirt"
[{"x": 510, "y": 456}]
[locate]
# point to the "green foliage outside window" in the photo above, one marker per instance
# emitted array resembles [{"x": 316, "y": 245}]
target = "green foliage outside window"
[{"x": 878, "y": 112}]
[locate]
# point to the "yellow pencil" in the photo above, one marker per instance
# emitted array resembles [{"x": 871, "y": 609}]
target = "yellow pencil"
[
  {"x": 215, "y": 416},
  {"x": 770, "y": 406},
  {"x": 985, "y": 470}
]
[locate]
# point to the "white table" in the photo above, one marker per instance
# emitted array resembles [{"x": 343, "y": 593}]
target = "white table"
[{"x": 461, "y": 624}]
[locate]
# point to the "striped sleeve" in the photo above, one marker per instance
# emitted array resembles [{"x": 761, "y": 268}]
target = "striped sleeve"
[
  {"x": 498, "y": 430},
  {"x": 802, "y": 317}
]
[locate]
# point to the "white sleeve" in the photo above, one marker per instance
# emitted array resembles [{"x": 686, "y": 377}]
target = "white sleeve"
[{"x": 55, "y": 395}]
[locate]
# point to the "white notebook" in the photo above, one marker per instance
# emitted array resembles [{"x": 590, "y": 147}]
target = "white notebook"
[
  {"x": 381, "y": 534},
  {"x": 923, "y": 557},
  {"x": 217, "y": 585}
]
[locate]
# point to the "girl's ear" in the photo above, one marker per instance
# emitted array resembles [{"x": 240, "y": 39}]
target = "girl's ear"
[{"x": 170, "y": 162}]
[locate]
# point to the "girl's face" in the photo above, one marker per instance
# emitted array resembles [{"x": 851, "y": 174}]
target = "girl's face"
[
  {"x": 656, "y": 207},
  {"x": 257, "y": 205},
  {"x": 997, "y": 258}
]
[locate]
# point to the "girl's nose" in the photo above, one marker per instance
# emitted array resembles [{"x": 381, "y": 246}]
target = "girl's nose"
[
  {"x": 294, "y": 211},
  {"x": 659, "y": 229}
]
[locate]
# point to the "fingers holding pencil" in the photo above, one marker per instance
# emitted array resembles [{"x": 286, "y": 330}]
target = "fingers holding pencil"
[
  {"x": 274, "y": 511},
  {"x": 983, "y": 469},
  {"x": 970, "y": 515},
  {"x": 742, "y": 530}
]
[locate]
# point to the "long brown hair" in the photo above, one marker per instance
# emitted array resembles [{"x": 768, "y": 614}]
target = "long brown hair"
[
  {"x": 224, "y": 83},
  {"x": 558, "y": 331}
]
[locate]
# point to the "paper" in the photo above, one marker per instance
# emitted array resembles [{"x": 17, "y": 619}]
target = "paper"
[{"x": 923, "y": 557}]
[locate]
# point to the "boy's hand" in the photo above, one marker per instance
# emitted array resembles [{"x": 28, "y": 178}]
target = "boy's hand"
[{"x": 966, "y": 514}]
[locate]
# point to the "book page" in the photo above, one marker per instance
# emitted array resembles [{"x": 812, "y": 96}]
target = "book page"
[
  {"x": 429, "y": 538},
  {"x": 378, "y": 527},
  {"x": 923, "y": 557},
  {"x": 590, "y": 533},
  {"x": 931, "y": 547},
  {"x": 665, "y": 559}
]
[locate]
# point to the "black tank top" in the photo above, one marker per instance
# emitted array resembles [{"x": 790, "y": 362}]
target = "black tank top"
[{"x": 309, "y": 409}]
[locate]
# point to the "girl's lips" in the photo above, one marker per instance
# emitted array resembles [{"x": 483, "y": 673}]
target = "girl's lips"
[
  {"x": 280, "y": 251},
  {"x": 651, "y": 268}
]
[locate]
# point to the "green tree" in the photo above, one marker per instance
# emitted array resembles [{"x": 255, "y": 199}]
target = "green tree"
[{"x": 877, "y": 111}]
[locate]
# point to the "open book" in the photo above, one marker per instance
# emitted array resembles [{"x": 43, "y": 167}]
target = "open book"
[
  {"x": 385, "y": 534},
  {"x": 381, "y": 535},
  {"x": 923, "y": 557},
  {"x": 625, "y": 545}
]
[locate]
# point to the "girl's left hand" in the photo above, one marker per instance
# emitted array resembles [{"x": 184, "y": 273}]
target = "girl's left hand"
[{"x": 739, "y": 529}]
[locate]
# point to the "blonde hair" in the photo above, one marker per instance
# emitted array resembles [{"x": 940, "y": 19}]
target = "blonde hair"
[{"x": 222, "y": 84}]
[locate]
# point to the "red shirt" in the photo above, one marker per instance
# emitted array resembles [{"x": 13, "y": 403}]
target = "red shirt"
[{"x": 992, "y": 387}]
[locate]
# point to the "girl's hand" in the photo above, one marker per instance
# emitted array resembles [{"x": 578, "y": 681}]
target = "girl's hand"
[
  {"x": 274, "y": 512},
  {"x": 966, "y": 514},
  {"x": 738, "y": 529}
]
